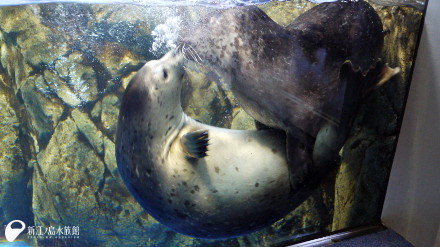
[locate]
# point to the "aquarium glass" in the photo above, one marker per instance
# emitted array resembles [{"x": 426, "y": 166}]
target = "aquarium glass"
[{"x": 288, "y": 114}]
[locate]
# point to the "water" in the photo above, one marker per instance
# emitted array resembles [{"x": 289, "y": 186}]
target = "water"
[
  {"x": 211, "y": 3},
  {"x": 64, "y": 68}
]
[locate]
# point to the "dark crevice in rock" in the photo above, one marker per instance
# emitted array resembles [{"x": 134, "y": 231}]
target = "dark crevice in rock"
[
  {"x": 126, "y": 70},
  {"x": 101, "y": 183},
  {"x": 10, "y": 38},
  {"x": 64, "y": 116},
  {"x": 83, "y": 139},
  {"x": 38, "y": 69},
  {"x": 102, "y": 74}
]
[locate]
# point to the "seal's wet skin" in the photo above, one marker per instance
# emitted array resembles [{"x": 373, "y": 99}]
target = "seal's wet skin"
[
  {"x": 296, "y": 78},
  {"x": 197, "y": 179}
]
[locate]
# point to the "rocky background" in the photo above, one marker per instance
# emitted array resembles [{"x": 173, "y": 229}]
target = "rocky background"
[{"x": 63, "y": 70}]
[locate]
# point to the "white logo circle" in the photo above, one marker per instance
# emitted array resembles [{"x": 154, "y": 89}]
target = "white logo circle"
[{"x": 12, "y": 233}]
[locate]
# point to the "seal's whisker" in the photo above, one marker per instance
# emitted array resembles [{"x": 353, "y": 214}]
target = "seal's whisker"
[
  {"x": 182, "y": 50},
  {"x": 196, "y": 54},
  {"x": 190, "y": 53},
  {"x": 180, "y": 47},
  {"x": 193, "y": 55}
]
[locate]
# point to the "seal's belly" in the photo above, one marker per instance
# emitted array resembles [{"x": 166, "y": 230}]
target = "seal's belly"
[{"x": 242, "y": 185}]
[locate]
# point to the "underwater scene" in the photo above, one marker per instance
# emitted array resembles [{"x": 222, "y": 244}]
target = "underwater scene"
[{"x": 199, "y": 122}]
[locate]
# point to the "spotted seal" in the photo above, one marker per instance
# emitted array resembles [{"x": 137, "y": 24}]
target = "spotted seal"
[
  {"x": 307, "y": 79},
  {"x": 197, "y": 179}
]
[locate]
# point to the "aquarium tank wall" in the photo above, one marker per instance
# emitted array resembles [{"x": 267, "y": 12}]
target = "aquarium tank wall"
[{"x": 199, "y": 123}]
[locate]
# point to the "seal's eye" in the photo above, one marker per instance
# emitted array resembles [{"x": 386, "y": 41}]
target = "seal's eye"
[{"x": 165, "y": 74}]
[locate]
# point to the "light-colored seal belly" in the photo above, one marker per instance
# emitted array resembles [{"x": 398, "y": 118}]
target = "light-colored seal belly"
[
  {"x": 243, "y": 176},
  {"x": 232, "y": 184}
]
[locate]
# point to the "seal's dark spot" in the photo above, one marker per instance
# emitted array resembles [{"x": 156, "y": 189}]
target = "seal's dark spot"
[
  {"x": 165, "y": 74},
  {"x": 274, "y": 150},
  {"x": 197, "y": 188},
  {"x": 257, "y": 184},
  {"x": 168, "y": 130},
  {"x": 217, "y": 170},
  {"x": 236, "y": 168}
]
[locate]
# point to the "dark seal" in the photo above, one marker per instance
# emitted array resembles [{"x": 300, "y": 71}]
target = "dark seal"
[{"x": 307, "y": 79}]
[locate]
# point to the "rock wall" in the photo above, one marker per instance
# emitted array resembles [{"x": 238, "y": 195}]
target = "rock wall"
[
  {"x": 63, "y": 70},
  {"x": 362, "y": 178}
]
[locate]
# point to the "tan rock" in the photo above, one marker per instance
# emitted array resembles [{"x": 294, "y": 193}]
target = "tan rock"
[
  {"x": 89, "y": 130},
  {"x": 110, "y": 113}
]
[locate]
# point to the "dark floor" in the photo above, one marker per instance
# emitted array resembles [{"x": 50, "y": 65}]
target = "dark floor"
[{"x": 385, "y": 238}]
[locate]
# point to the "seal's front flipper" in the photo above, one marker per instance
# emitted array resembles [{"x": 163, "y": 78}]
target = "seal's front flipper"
[
  {"x": 299, "y": 150},
  {"x": 195, "y": 144}
]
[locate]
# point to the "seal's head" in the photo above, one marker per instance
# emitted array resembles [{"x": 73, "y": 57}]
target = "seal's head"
[
  {"x": 155, "y": 88},
  {"x": 157, "y": 79},
  {"x": 151, "y": 103}
]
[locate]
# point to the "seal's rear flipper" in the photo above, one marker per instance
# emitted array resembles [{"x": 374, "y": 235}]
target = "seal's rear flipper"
[
  {"x": 385, "y": 74},
  {"x": 195, "y": 144},
  {"x": 355, "y": 85},
  {"x": 367, "y": 81},
  {"x": 299, "y": 150}
]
